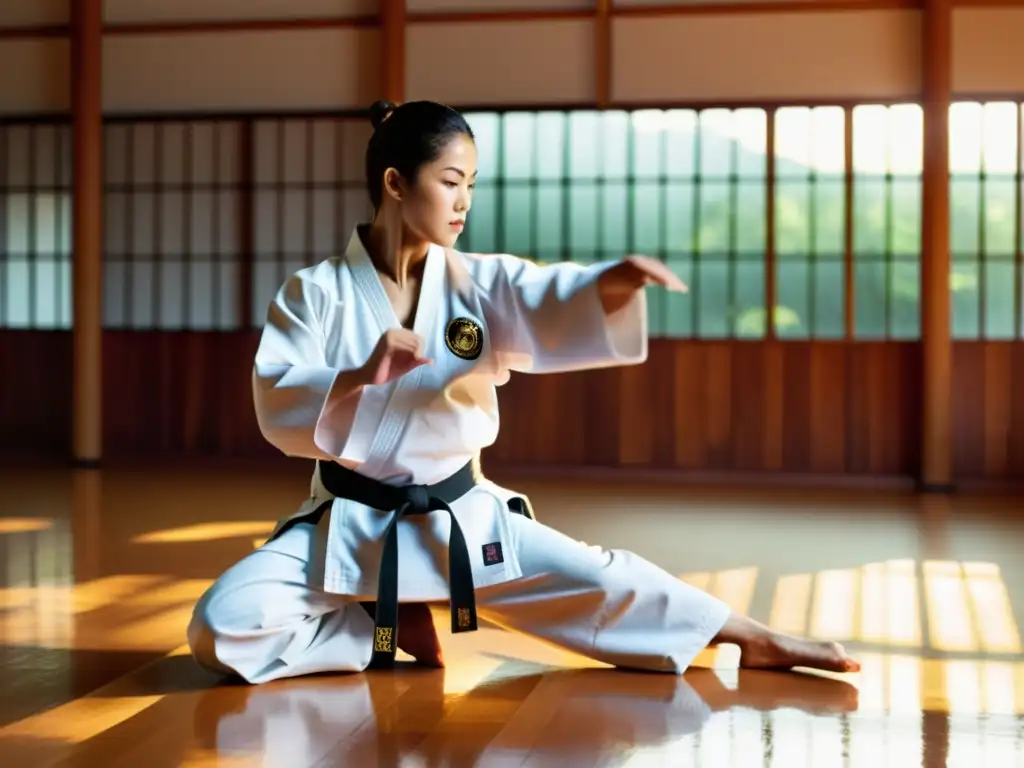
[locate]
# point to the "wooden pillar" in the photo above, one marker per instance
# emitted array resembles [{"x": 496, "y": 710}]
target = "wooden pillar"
[
  {"x": 87, "y": 233},
  {"x": 936, "y": 349},
  {"x": 392, "y": 50},
  {"x": 603, "y": 54}
]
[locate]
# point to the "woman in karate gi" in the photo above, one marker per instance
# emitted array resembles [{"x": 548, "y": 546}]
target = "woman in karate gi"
[{"x": 382, "y": 365}]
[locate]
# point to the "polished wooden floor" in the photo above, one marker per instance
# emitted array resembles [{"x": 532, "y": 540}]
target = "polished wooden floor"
[{"x": 99, "y": 572}]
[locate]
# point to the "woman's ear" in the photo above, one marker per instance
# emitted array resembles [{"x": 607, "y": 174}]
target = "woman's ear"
[{"x": 394, "y": 185}]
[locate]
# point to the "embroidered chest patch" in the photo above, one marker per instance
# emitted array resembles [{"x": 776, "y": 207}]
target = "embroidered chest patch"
[{"x": 464, "y": 338}]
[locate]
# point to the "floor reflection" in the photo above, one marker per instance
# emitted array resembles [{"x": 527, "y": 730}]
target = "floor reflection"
[{"x": 594, "y": 715}]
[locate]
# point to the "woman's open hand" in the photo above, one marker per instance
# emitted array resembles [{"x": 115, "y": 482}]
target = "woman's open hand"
[{"x": 617, "y": 285}]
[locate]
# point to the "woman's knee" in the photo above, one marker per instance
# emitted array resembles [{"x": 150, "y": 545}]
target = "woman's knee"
[{"x": 202, "y": 633}]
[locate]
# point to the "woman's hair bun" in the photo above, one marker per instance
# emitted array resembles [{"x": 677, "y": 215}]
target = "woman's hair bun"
[{"x": 380, "y": 111}]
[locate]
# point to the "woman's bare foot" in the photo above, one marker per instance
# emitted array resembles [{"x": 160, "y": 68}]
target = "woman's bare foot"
[
  {"x": 417, "y": 635},
  {"x": 785, "y": 652},
  {"x": 762, "y": 648}
]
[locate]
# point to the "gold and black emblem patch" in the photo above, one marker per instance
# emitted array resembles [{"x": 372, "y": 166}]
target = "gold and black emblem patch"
[{"x": 464, "y": 338}]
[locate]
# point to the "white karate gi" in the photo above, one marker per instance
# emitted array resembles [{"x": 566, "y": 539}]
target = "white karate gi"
[{"x": 290, "y": 607}]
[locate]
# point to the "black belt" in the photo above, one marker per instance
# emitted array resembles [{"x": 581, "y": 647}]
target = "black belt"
[{"x": 343, "y": 483}]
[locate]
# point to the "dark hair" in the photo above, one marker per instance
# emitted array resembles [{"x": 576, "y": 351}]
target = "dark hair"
[{"x": 407, "y": 137}]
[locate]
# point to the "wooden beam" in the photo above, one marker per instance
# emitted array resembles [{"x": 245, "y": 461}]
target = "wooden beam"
[
  {"x": 87, "y": 234},
  {"x": 936, "y": 349},
  {"x": 392, "y": 49}
]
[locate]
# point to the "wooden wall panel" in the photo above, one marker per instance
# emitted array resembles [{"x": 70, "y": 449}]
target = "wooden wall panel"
[
  {"x": 180, "y": 394},
  {"x": 501, "y": 62},
  {"x": 28, "y": 13},
  {"x": 242, "y": 71},
  {"x": 988, "y": 418},
  {"x": 862, "y": 55},
  {"x": 35, "y": 393},
  {"x": 36, "y": 76},
  {"x": 818, "y": 408},
  {"x": 987, "y": 54}
]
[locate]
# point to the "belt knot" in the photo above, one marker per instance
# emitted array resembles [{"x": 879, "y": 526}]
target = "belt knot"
[{"x": 419, "y": 497}]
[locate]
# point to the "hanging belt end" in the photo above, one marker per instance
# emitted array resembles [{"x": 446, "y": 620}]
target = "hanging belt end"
[{"x": 463, "y": 619}]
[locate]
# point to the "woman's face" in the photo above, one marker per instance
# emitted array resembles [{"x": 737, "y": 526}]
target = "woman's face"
[{"x": 435, "y": 207}]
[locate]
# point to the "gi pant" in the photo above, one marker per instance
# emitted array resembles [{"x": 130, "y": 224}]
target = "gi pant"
[{"x": 262, "y": 620}]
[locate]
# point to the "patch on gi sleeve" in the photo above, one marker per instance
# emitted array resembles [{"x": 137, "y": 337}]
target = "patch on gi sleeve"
[{"x": 492, "y": 554}]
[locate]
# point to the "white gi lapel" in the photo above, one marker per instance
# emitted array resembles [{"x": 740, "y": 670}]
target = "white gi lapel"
[
  {"x": 367, "y": 283},
  {"x": 399, "y": 406}
]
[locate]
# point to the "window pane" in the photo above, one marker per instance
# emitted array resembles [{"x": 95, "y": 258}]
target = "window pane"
[
  {"x": 227, "y": 288},
  {"x": 751, "y": 230},
  {"x": 792, "y": 290},
  {"x": 17, "y": 291},
  {"x": 678, "y": 307},
  {"x": 715, "y": 216},
  {"x": 870, "y": 139},
  {"x": 46, "y": 301},
  {"x": 1000, "y": 214},
  {"x": 648, "y": 215},
  {"x": 829, "y": 217},
  {"x": 172, "y": 290},
  {"x": 681, "y": 144},
  {"x": 518, "y": 146},
  {"x": 482, "y": 223},
  {"x": 716, "y": 144},
  {"x": 750, "y": 132},
  {"x": 200, "y": 296},
  {"x": 905, "y": 299},
  {"x": 487, "y": 127},
  {"x": 550, "y": 146},
  {"x": 792, "y": 219},
  {"x": 614, "y": 218},
  {"x": 999, "y": 282},
  {"x": 550, "y": 232},
  {"x": 965, "y": 138},
  {"x": 792, "y": 142},
  {"x": 143, "y": 279},
  {"x": 648, "y": 146},
  {"x": 583, "y": 217},
  {"x": 615, "y": 144},
  {"x": 680, "y": 210},
  {"x": 828, "y": 298},
  {"x": 585, "y": 146},
  {"x": 201, "y": 211},
  {"x": 869, "y": 216},
  {"x": 964, "y": 213},
  {"x": 294, "y": 221},
  {"x": 115, "y": 309},
  {"x": 809, "y": 141},
  {"x": 711, "y": 292},
  {"x": 265, "y": 223},
  {"x": 905, "y": 238},
  {"x": 519, "y": 219},
  {"x": 999, "y": 137},
  {"x": 905, "y": 143},
  {"x": 18, "y": 225},
  {"x": 749, "y": 312},
  {"x": 870, "y": 290},
  {"x": 965, "y": 304}
]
